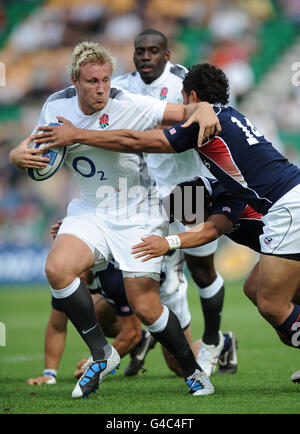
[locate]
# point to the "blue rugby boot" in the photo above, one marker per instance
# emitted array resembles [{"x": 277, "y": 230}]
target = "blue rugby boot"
[
  {"x": 199, "y": 384},
  {"x": 94, "y": 373}
]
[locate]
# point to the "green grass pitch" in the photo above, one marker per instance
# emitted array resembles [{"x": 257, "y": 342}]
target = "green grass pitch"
[{"x": 261, "y": 386}]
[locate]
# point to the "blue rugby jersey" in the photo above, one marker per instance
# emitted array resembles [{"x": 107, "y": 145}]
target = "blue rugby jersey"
[
  {"x": 247, "y": 229},
  {"x": 241, "y": 158},
  {"x": 247, "y": 223}
]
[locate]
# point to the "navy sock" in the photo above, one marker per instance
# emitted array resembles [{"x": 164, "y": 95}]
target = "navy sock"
[
  {"x": 80, "y": 309},
  {"x": 212, "y": 312},
  {"x": 290, "y": 328},
  {"x": 174, "y": 340}
]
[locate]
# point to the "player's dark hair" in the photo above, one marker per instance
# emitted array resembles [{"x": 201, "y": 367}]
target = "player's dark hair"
[
  {"x": 154, "y": 32},
  {"x": 209, "y": 82}
]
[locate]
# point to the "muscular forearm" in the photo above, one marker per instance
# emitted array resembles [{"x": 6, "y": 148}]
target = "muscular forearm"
[
  {"x": 215, "y": 226},
  {"x": 54, "y": 347},
  {"x": 199, "y": 235},
  {"x": 154, "y": 246},
  {"x": 128, "y": 141}
]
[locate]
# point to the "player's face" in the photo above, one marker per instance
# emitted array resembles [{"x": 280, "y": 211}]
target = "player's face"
[
  {"x": 93, "y": 86},
  {"x": 150, "y": 57},
  {"x": 188, "y": 99}
]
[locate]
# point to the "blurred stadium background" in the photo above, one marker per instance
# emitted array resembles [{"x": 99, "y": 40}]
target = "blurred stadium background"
[{"x": 256, "y": 43}]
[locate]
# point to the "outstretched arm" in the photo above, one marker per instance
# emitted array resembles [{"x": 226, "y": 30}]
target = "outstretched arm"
[
  {"x": 154, "y": 246},
  {"x": 202, "y": 113},
  {"x": 128, "y": 141}
]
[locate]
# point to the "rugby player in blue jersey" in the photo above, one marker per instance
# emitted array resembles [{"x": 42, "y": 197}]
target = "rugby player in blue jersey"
[
  {"x": 249, "y": 167},
  {"x": 224, "y": 214}
]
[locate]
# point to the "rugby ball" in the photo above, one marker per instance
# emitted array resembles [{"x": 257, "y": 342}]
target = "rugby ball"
[{"x": 56, "y": 156}]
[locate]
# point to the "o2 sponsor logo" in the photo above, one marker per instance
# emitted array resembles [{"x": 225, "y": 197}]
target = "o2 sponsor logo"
[{"x": 89, "y": 168}]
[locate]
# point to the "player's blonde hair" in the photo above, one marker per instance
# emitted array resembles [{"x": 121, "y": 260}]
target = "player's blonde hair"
[{"x": 88, "y": 52}]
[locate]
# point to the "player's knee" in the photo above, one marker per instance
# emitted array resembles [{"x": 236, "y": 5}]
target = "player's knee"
[
  {"x": 202, "y": 271},
  {"x": 203, "y": 276},
  {"x": 58, "y": 274},
  {"x": 268, "y": 309},
  {"x": 145, "y": 313}
]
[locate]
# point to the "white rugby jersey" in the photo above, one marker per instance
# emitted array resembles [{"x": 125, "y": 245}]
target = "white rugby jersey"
[
  {"x": 110, "y": 181},
  {"x": 167, "y": 169}
]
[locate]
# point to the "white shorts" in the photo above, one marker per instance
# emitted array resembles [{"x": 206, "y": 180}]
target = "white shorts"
[
  {"x": 113, "y": 239},
  {"x": 201, "y": 251},
  {"x": 281, "y": 233}
]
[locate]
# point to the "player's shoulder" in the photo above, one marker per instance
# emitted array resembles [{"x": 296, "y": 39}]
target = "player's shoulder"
[
  {"x": 227, "y": 112},
  {"x": 120, "y": 96},
  {"x": 116, "y": 92},
  {"x": 64, "y": 94},
  {"x": 178, "y": 70},
  {"x": 123, "y": 79},
  {"x": 124, "y": 98}
]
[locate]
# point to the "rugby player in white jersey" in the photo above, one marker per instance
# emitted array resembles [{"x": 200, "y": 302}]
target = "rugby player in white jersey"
[
  {"x": 117, "y": 208},
  {"x": 156, "y": 76},
  {"x": 249, "y": 167}
]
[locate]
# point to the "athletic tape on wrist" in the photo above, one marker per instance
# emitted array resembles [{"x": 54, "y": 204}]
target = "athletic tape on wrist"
[{"x": 174, "y": 241}]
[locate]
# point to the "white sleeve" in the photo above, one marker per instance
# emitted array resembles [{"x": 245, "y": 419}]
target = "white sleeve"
[
  {"x": 151, "y": 109},
  {"x": 46, "y": 116}
]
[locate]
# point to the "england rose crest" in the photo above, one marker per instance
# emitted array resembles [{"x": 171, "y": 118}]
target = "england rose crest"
[
  {"x": 163, "y": 93},
  {"x": 103, "y": 121}
]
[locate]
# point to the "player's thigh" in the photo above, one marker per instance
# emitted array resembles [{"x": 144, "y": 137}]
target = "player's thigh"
[
  {"x": 251, "y": 283},
  {"x": 296, "y": 298},
  {"x": 278, "y": 279},
  {"x": 69, "y": 253}
]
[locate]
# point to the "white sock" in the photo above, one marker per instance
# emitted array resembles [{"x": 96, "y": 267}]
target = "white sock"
[
  {"x": 161, "y": 321},
  {"x": 212, "y": 289},
  {"x": 66, "y": 292}
]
